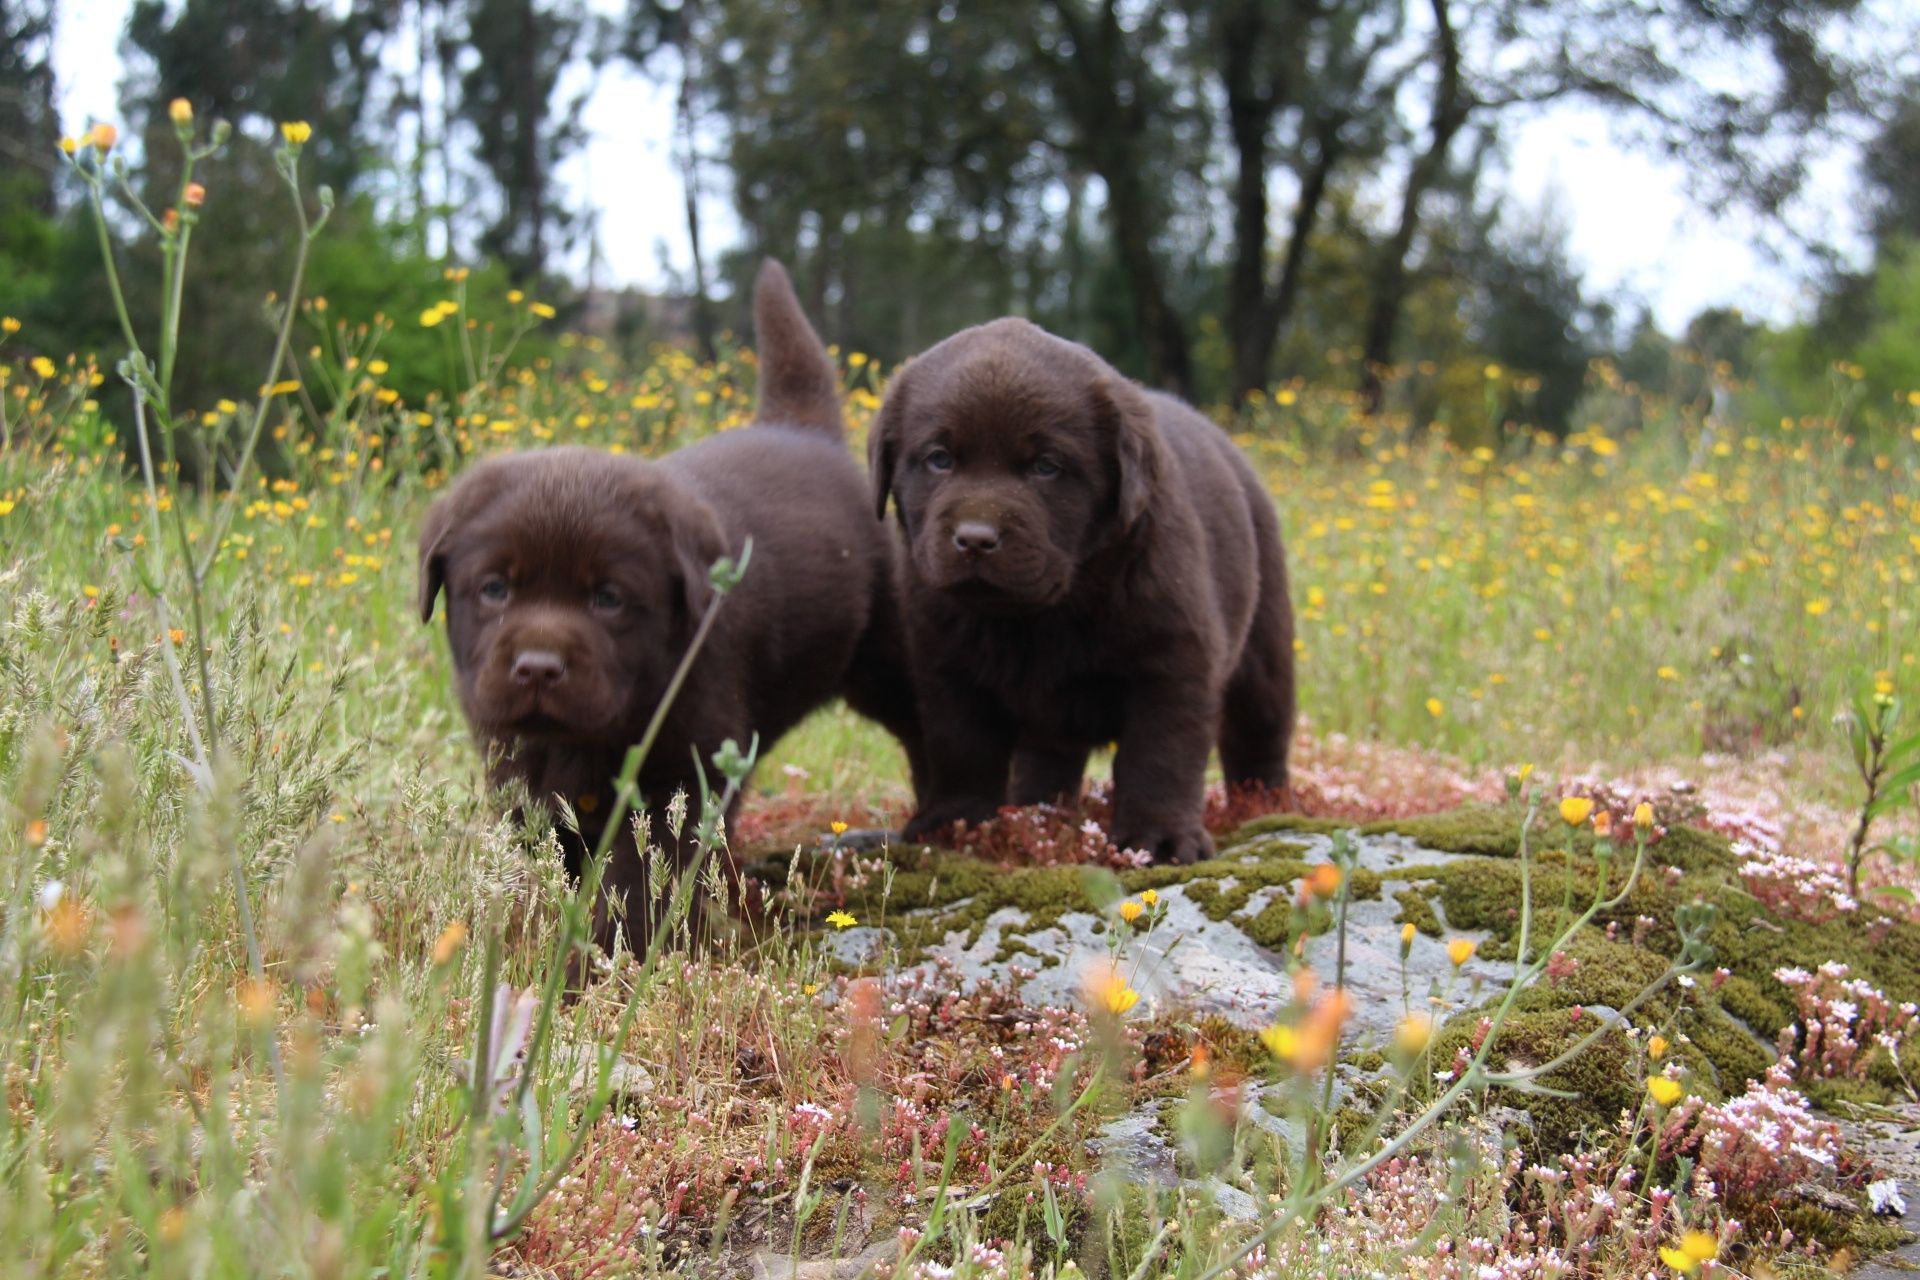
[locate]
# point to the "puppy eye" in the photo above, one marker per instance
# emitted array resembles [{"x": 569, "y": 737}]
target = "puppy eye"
[
  {"x": 606, "y": 600},
  {"x": 1044, "y": 467},
  {"x": 938, "y": 460},
  {"x": 494, "y": 590}
]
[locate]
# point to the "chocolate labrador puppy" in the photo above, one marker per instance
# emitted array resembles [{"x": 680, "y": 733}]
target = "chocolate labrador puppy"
[
  {"x": 575, "y": 580},
  {"x": 1087, "y": 562}
]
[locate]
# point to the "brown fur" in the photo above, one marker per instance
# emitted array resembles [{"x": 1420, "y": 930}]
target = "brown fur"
[
  {"x": 575, "y": 580},
  {"x": 1087, "y": 562}
]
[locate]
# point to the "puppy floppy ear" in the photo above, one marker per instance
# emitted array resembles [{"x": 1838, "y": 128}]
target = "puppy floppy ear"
[
  {"x": 1141, "y": 454},
  {"x": 479, "y": 486},
  {"x": 435, "y": 531},
  {"x": 697, "y": 542},
  {"x": 883, "y": 441}
]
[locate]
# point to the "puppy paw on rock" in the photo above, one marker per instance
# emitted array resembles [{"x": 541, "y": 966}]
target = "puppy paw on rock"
[{"x": 1180, "y": 846}]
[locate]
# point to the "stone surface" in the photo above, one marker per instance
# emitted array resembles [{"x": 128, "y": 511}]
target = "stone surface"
[{"x": 1206, "y": 966}]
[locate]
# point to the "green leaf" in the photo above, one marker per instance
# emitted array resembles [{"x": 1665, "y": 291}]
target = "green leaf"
[
  {"x": 1907, "y": 777},
  {"x": 1899, "y": 892}
]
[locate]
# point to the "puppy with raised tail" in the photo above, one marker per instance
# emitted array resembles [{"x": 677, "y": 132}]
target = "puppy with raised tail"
[
  {"x": 575, "y": 580},
  {"x": 1087, "y": 562}
]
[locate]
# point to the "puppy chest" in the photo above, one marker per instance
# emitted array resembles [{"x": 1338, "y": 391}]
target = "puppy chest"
[{"x": 1058, "y": 695}]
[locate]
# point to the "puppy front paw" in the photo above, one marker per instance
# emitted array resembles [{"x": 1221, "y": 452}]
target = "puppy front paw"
[{"x": 1178, "y": 844}]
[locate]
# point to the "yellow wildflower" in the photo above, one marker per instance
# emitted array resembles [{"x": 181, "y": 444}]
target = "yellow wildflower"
[
  {"x": 1575, "y": 810},
  {"x": 1324, "y": 880},
  {"x": 1107, "y": 990},
  {"x": 1131, "y": 911},
  {"x": 296, "y": 132},
  {"x": 1696, "y": 1249},
  {"x": 1150, "y": 897},
  {"x": 180, "y": 111},
  {"x": 256, "y": 1000},
  {"x": 448, "y": 944},
  {"x": 1460, "y": 950},
  {"x": 841, "y": 920},
  {"x": 1413, "y": 1034},
  {"x": 1665, "y": 1091}
]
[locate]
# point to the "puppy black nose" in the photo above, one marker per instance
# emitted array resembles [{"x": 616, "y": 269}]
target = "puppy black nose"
[
  {"x": 538, "y": 666},
  {"x": 976, "y": 537}
]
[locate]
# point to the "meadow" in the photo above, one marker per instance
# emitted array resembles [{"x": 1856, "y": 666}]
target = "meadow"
[{"x": 259, "y": 908}]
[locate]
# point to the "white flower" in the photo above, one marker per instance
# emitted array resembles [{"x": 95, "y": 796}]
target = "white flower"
[
  {"x": 1885, "y": 1197},
  {"x": 50, "y": 894}
]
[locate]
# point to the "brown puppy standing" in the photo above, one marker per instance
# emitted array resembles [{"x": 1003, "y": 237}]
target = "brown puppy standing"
[
  {"x": 575, "y": 580},
  {"x": 1088, "y": 562}
]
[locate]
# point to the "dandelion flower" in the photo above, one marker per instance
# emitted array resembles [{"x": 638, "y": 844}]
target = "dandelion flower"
[
  {"x": 841, "y": 920},
  {"x": 256, "y": 1001},
  {"x": 448, "y": 944},
  {"x": 9, "y": 325},
  {"x": 102, "y": 137},
  {"x": 1106, "y": 989},
  {"x": 838, "y": 828},
  {"x": 1436, "y": 708},
  {"x": 1324, "y": 880},
  {"x": 1150, "y": 897},
  {"x": 1575, "y": 810},
  {"x": 542, "y": 310},
  {"x": 1406, "y": 935},
  {"x": 1460, "y": 950},
  {"x": 1665, "y": 1091},
  {"x": 1643, "y": 817},
  {"x": 180, "y": 111},
  {"x": 430, "y": 317},
  {"x": 1658, "y": 1046},
  {"x": 296, "y": 132},
  {"x": 1696, "y": 1248},
  {"x": 1281, "y": 1041},
  {"x": 1413, "y": 1034},
  {"x": 1131, "y": 911}
]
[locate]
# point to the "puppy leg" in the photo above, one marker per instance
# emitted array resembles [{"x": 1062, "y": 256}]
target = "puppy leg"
[
  {"x": 1257, "y": 716},
  {"x": 969, "y": 746},
  {"x": 879, "y": 687},
  {"x": 1160, "y": 772},
  {"x": 1041, "y": 776}
]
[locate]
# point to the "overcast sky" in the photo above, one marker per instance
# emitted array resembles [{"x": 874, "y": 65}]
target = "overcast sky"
[{"x": 1632, "y": 227}]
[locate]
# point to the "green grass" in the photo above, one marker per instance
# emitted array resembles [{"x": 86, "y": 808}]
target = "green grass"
[{"x": 176, "y": 1105}]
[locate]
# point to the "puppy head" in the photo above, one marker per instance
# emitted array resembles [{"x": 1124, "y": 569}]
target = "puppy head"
[
  {"x": 1013, "y": 456},
  {"x": 573, "y": 581}
]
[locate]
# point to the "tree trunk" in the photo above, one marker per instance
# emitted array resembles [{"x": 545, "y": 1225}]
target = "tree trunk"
[
  {"x": 1388, "y": 291},
  {"x": 1250, "y": 115},
  {"x": 1278, "y": 312},
  {"x": 703, "y": 326},
  {"x": 1108, "y": 136}
]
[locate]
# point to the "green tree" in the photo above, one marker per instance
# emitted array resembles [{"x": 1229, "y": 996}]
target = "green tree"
[
  {"x": 29, "y": 124},
  {"x": 521, "y": 48}
]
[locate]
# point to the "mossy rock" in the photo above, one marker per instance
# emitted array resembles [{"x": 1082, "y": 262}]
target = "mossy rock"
[{"x": 1722, "y": 1028}]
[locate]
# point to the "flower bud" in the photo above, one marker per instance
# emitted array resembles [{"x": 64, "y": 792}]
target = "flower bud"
[{"x": 180, "y": 111}]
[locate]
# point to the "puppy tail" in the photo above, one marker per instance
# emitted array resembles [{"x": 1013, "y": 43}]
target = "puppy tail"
[{"x": 799, "y": 386}]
